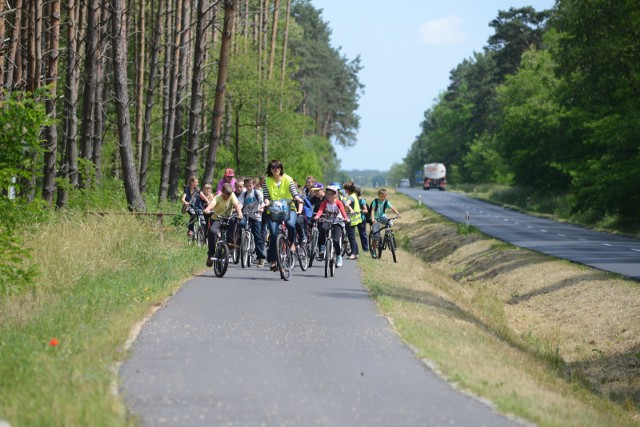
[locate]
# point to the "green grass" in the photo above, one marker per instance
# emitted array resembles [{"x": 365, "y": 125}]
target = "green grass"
[{"x": 98, "y": 277}]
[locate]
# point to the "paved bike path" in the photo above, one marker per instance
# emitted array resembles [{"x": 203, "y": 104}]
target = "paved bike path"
[{"x": 253, "y": 350}]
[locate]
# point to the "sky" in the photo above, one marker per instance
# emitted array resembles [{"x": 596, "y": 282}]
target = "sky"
[{"x": 408, "y": 49}]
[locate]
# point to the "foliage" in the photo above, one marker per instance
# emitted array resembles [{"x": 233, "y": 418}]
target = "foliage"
[
  {"x": 598, "y": 55},
  {"x": 22, "y": 115},
  {"x": 328, "y": 80}
]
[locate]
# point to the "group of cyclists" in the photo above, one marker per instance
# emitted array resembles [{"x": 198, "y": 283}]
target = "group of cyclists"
[{"x": 259, "y": 201}]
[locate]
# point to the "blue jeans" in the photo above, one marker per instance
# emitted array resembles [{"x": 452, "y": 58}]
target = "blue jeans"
[
  {"x": 272, "y": 254},
  {"x": 256, "y": 230}
]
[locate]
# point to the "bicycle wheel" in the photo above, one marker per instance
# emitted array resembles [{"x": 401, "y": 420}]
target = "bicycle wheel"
[
  {"x": 221, "y": 261},
  {"x": 235, "y": 252},
  {"x": 332, "y": 261},
  {"x": 381, "y": 243},
  {"x": 328, "y": 253},
  {"x": 200, "y": 235},
  {"x": 372, "y": 251},
  {"x": 245, "y": 254},
  {"x": 346, "y": 245},
  {"x": 303, "y": 255},
  {"x": 391, "y": 242},
  {"x": 313, "y": 246},
  {"x": 284, "y": 254}
]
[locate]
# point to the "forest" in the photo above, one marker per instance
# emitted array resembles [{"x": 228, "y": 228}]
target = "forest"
[
  {"x": 141, "y": 95},
  {"x": 551, "y": 105}
]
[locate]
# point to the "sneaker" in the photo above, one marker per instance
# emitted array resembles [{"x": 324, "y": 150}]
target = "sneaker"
[
  {"x": 209, "y": 261},
  {"x": 339, "y": 261},
  {"x": 353, "y": 256},
  {"x": 261, "y": 263}
]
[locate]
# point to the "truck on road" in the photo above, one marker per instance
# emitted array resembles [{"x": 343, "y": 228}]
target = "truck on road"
[{"x": 434, "y": 176}]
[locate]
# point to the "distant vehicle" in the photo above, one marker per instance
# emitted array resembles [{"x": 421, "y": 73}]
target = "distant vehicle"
[
  {"x": 404, "y": 183},
  {"x": 434, "y": 176}
]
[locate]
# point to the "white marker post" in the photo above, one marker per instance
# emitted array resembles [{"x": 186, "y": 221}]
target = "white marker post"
[{"x": 420, "y": 200}]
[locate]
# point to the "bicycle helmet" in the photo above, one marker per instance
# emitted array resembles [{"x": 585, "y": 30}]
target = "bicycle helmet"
[
  {"x": 228, "y": 172},
  {"x": 337, "y": 185}
]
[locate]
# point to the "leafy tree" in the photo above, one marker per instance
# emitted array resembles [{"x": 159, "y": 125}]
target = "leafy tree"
[
  {"x": 531, "y": 137},
  {"x": 516, "y": 31},
  {"x": 21, "y": 117},
  {"x": 599, "y": 58}
]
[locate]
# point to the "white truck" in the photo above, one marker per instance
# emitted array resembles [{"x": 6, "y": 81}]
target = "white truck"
[{"x": 434, "y": 176}]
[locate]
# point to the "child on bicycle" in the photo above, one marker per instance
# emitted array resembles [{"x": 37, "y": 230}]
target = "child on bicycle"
[
  {"x": 222, "y": 205},
  {"x": 252, "y": 202},
  {"x": 192, "y": 204},
  {"x": 334, "y": 209},
  {"x": 378, "y": 216}
]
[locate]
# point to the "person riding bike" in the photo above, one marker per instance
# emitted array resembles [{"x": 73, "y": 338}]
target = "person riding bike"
[
  {"x": 334, "y": 209},
  {"x": 222, "y": 205},
  {"x": 192, "y": 204},
  {"x": 278, "y": 187}
]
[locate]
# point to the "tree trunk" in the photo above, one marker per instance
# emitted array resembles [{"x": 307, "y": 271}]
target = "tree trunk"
[
  {"x": 179, "y": 130},
  {"x": 284, "y": 47},
  {"x": 51, "y": 132},
  {"x": 167, "y": 145},
  {"x": 12, "y": 65},
  {"x": 100, "y": 114},
  {"x": 2, "y": 37},
  {"x": 140, "y": 64},
  {"x": 119, "y": 41},
  {"x": 69, "y": 166},
  {"x": 89, "y": 90},
  {"x": 197, "y": 76},
  {"x": 151, "y": 82},
  {"x": 274, "y": 35},
  {"x": 227, "y": 33}
]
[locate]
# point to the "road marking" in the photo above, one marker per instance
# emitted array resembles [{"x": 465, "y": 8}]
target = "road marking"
[
  {"x": 528, "y": 226},
  {"x": 607, "y": 244},
  {"x": 544, "y": 231},
  {"x": 635, "y": 250},
  {"x": 561, "y": 235}
]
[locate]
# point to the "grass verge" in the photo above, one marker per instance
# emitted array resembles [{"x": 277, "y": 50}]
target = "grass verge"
[
  {"x": 547, "y": 341},
  {"x": 98, "y": 277}
]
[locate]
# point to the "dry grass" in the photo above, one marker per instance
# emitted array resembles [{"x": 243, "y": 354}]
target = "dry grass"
[{"x": 534, "y": 334}]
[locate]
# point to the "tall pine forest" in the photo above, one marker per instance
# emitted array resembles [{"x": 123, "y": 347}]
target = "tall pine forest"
[{"x": 124, "y": 100}]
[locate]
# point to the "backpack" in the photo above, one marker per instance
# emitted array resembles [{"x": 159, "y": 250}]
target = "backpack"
[{"x": 372, "y": 210}]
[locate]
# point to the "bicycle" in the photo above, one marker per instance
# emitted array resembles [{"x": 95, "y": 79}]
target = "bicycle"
[
  {"x": 330, "y": 256},
  {"x": 285, "y": 260},
  {"x": 346, "y": 245},
  {"x": 387, "y": 242},
  {"x": 199, "y": 235},
  {"x": 221, "y": 252},
  {"x": 236, "y": 251},
  {"x": 302, "y": 251},
  {"x": 247, "y": 245},
  {"x": 313, "y": 247}
]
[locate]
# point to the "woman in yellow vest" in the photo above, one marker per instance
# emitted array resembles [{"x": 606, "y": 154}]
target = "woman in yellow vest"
[
  {"x": 354, "y": 215},
  {"x": 279, "y": 189}
]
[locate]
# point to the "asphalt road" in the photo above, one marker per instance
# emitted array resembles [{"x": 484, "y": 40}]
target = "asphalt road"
[
  {"x": 252, "y": 350},
  {"x": 603, "y": 251}
]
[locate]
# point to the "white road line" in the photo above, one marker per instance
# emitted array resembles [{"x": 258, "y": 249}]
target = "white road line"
[
  {"x": 561, "y": 235},
  {"x": 544, "y": 231},
  {"x": 636, "y": 250},
  {"x": 607, "y": 244}
]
